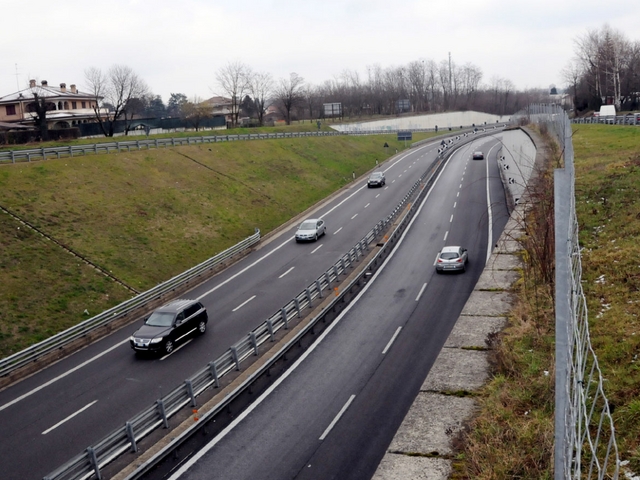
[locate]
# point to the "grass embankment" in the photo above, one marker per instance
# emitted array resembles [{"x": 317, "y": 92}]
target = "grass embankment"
[
  {"x": 512, "y": 436},
  {"x": 147, "y": 216}
]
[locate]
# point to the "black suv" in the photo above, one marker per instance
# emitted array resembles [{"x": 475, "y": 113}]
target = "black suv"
[{"x": 169, "y": 325}]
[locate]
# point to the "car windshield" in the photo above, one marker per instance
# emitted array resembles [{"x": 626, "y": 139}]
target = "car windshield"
[
  {"x": 308, "y": 225},
  {"x": 376, "y": 175},
  {"x": 448, "y": 255},
  {"x": 160, "y": 319}
]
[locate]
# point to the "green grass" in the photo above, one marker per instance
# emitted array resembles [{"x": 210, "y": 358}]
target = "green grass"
[
  {"x": 147, "y": 216},
  {"x": 607, "y": 186}
]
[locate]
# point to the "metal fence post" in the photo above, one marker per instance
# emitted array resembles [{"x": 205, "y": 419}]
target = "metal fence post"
[
  {"x": 214, "y": 374},
  {"x": 163, "y": 413},
  {"x": 94, "y": 462}
]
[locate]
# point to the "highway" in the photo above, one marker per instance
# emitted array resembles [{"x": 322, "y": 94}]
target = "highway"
[
  {"x": 55, "y": 414},
  {"x": 333, "y": 414}
]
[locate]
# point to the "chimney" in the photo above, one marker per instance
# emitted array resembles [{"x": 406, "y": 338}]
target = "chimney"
[
  {"x": 44, "y": 83},
  {"x": 63, "y": 87},
  {"x": 73, "y": 88},
  {"x": 32, "y": 83}
]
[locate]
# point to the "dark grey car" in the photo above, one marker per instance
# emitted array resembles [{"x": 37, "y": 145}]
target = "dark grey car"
[
  {"x": 170, "y": 325},
  {"x": 376, "y": 179}
]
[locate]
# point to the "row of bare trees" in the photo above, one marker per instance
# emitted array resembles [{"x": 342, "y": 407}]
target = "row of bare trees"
[
  {"x": 605, "y": 70},
  {"x": 422, "y": 86}
]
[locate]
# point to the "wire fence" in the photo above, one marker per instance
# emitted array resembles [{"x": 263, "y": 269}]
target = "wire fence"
[{"x": 585, "y": 442}]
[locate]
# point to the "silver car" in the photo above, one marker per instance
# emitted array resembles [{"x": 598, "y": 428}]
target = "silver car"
[
  {"x": 452, "y": 259},
  {"x": 311, "y": 229}
]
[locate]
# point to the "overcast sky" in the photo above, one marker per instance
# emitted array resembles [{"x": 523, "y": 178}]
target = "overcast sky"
[{"x": 178, "y": 46}]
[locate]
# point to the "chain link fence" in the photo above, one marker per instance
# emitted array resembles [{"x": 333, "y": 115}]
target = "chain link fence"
[{"x": 585, "y": 442}]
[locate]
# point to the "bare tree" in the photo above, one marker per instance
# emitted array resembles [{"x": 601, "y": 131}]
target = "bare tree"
[
  {"x": 261, "y": 87},
  {"x": 117, "y": 88},
  {"x": 234, "y": 79},
  {"x": 288, "y": 94},
  {"x": 195, "y": 111}
]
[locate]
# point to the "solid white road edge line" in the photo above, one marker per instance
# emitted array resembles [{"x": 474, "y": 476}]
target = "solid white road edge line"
[
  {"x": 335, "y": 420},
  {"x": 203, "y": 451},
  {"x": 489, "y": 211},
  {"x": 386, "y": 349},
  {"x": 68, "y": 418}
]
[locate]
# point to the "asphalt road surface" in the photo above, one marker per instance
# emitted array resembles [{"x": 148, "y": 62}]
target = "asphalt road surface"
[
  {"x": 55, "y": 414},
  {"x": 333, "y": 415}
]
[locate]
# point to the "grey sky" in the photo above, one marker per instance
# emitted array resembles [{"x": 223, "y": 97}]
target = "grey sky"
[{"x": 177, "y": 46}]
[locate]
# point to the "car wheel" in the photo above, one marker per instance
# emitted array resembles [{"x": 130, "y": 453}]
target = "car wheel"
[
  {"x": 439, "y": 272},
  {"x": 168, "y": 346},
  {"x": 202, "y": 327}
]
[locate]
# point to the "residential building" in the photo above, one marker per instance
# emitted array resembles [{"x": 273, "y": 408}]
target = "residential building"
[{"x": 66, "y": 108}]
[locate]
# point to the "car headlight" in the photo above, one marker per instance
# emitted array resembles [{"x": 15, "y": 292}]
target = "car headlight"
[
  {"x": 132, "y": 338},
  {"x": 156, "y": 340}
]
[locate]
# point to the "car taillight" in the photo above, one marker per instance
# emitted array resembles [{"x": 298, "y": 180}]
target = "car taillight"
[
  {"x": 459, "y": 260},
  {"x": 439, "y": 260}
]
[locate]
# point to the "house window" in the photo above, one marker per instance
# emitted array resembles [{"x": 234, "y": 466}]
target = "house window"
[
  {"x": 11, "y": 109},
  {"x": 74, "y": 105},
  {"x": 84, "y": 104}
]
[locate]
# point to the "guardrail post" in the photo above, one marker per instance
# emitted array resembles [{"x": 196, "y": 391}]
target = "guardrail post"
[
  {"x": 284, "y": 317},
  {"x": 70, "y": 151},
  {"x": 297, "y": 302},
  {"x": 254, "y": 343},
  {"x": 342, "y": 265},
  {"x": 328, "y": 277},
  {"x": 214, "y": 374},
  {"x": 308, "y": 296},
  {"x": 270, "y": 328},
  {"x": 319, "y": 287},
  {"x": 44, "y": 154},
  {"x": 94, "y": 462},
  {"x": 163, "y": 413},
  {"x": 28, "y": 157},
  {"x": 234, "y": 354},
  {"x": 189, "y": 386},
  {"x": 131, "y": 436}
]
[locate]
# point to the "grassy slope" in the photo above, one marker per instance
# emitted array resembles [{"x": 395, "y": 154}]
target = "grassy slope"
[
  {"x": 607, "y": 186},
  {"x": 147, "y": 216},
  {"x": 512, "y": 436}
]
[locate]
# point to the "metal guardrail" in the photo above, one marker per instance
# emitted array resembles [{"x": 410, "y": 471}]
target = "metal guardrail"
[
  {"x": 585, "y": 441},
  {"x": 90, "y": 462},
  {"x": 34, "y": 352},
  {"x": 28, "y": 155},
  {"x": 629, "y": 119}
]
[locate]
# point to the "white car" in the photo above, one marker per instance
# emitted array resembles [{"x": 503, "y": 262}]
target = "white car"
[{"x": 311, "y": 229}]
